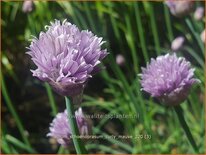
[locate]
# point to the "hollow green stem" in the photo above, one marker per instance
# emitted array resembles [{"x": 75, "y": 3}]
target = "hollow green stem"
[
  {"x": 154, "y": 29},
  {"x": 141, "y": 31},
  {"x": 168, "y": 23},
  {"x": 185, "y": 127},
  {"x": 196, "y": 35},
  {"x": 51, "y": 99},
  {"x": 80, "y": 149},
  {"x": 19, "y": 144}
]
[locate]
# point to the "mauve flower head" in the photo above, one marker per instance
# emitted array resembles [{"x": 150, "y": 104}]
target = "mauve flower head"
[
  {"x": 199, "y": 13},
  {"x": 66, "y": 57},
  {"x": 28, "y": 6},
  {"x": 168, "y": 78},
  {"x": 180, "y": 8},
  {"x": 177, "y": 43},
  {"x": 61, "y": 131}
]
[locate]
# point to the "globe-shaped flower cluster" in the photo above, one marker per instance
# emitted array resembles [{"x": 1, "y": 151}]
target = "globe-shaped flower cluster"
[
  {"x": 168, "y": 78},
  {"x": 66, "y": 57}
]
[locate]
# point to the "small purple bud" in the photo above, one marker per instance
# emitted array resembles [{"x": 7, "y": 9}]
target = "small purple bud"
[
  {"x": 61, "y": 131},
  {"x": 168, "y": 78},
  {"x": 28, "y": 6},
  {"x": 177, "y": 43},
  {"x": 199, "y": 13},
  {"x": 120, "y": 60},
  {"x": 203, "y": 36},
  {"x": 180, "y": 8}
]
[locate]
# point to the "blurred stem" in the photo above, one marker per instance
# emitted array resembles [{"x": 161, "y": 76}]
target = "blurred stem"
[
  {"x": 80, "y": 149},
  {"x": 196, "y": 35},
  {"x": 125, "y": 146},
  {"x": 89, "y": 16},
  {"x": 51, "y": 99},
  {"x": 5, "y": 145},
  {"x": 13, "y": 111},
  {"x": 104, "y": 148},
  {"x": 154, "y": 29},
  {"x": 131, "y": 42},
  {"x": 185, "y": 127},
  {"x": 195, "y": 55},
  {"x": 19, "y": 144},
  {"x": 63, "y": 150},
  {"x": 168, "y": 23},
  {"x": 141, "y": 32}
]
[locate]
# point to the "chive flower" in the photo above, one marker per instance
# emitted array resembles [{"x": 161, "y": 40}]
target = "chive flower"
[
  {"x": 66, "y": 57},
  {"x": 168, "y": 78},
  {"x": 61, "y": 131},
  {"x": 180, "y": 8}
]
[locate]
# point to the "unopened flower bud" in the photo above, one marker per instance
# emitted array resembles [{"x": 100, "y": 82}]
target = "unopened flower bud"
[
  {"x": 28, "y": 6},
  {"x": 180, "y": 8},
  {"x": 199, "y": 13},
  {"x": 177, "y": 43},
  {"x": 120, "y": 60},
  {"x": 203, "y": 36}
]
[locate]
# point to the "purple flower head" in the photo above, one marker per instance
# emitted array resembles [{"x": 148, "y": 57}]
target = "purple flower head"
[
  {"x": 66, "y": 57},
  {"x": 180, "y": 8},
  {"x": 168, "y": 78},
  {"x": 60, "y": 129},
  {"x": 177, "y": 43}
]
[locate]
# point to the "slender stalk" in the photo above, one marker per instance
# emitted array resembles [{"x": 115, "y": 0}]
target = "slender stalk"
[
  {"x": 125, "y": 146},
  {"x": 196, "y": 35},
  {"x": 168, "y": 23},
  {"x": 60, "y": 150},
  {"x": 89, "y": 16},
  {"x": 80, "y": 149},
  {"x": 51, "y": 99},
  {"x": 141, "y": 31},
  {"x": 19, "y": 144},
  {"x": 185, "y": 127},
  {"x": 130, "y": 40},
  {"x": 154, "y": 29},
  {"x": 13, "y": 111}
]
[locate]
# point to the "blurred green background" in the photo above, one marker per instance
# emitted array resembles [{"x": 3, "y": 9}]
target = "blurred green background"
[{"x": 136, "y": 30}]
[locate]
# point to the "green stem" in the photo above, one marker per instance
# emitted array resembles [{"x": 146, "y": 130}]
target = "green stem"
[
  {"x": 51, "y": 99},
  {"x": 89, "y": 16},
  {"x": 196, "y": 35},
  {"x": 168, "y": 23},
  {"x": 131, "y": 42},
  {"x": 182, "y": 121},
  {"x": 13, "y": 111},
  {"x": 80, "y": 149},
  {"x": 154, "y": 29},
  {"x": 19, "y": 144},
  {"x": 140, "y": 29}
]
